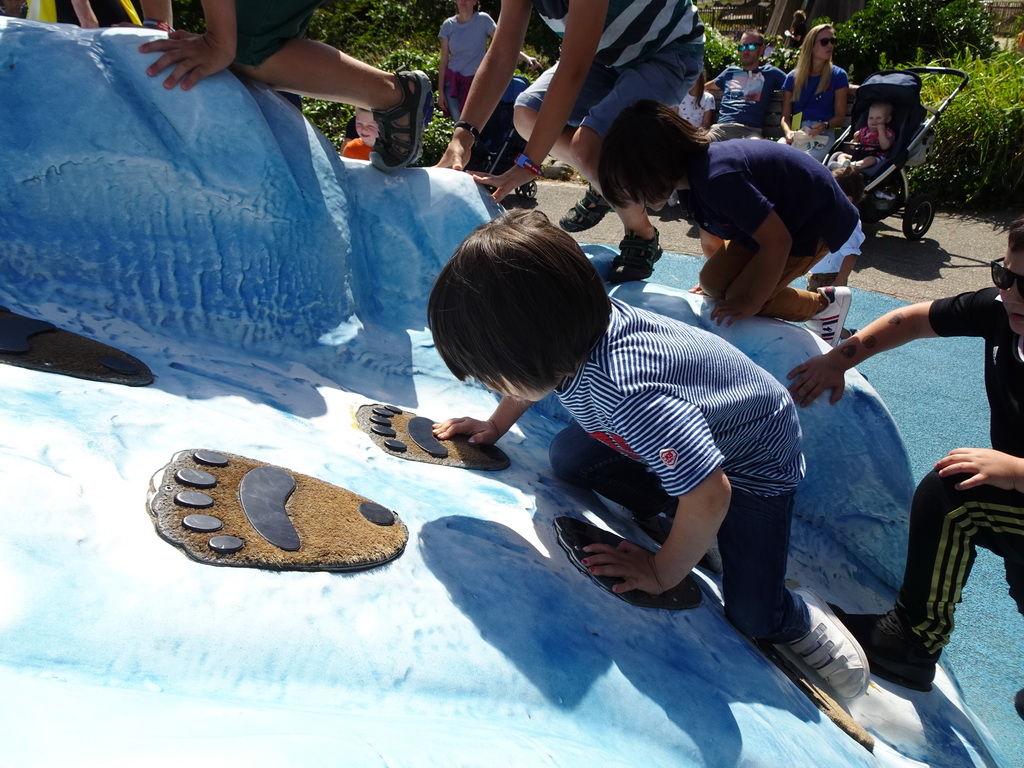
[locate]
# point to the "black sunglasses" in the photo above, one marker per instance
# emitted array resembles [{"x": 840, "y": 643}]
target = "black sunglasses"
[
  {"x": 1004, "y": 278},
  {"x": 826, "y": 41}
]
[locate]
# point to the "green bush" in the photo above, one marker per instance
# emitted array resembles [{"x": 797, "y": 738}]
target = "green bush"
[
  {"x": 898, "y": 32},
  {"x": 435, "y": 140},
  {"x": 978, "y": 159}
]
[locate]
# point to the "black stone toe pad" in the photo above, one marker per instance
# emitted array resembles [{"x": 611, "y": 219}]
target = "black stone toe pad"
[
  {"x": 575, "y": 534},
  {"x": 41, "y": 346},
  {"x": 270, "y": 517},
  {"x": 414, "y": 440}
]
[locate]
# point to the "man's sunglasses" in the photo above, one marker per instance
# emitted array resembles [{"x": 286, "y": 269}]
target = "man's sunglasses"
[
  {"x": 1004, "y": 278},
  {"x": 749, "y": 46},
  {"x": 826, "y": 41}
]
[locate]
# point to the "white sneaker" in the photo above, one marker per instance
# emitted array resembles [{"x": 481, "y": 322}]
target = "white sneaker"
[
  {"x": 830, "y": 650},
  {"x": 828, "y": 323}
]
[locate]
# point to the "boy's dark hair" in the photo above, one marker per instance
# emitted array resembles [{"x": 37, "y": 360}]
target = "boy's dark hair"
[
  {"x": 647, "y": 150},
  {"x": 851, "y": 181},
  {"x": 1015, "y": 236},
  {"x": 518, "y": 304}
]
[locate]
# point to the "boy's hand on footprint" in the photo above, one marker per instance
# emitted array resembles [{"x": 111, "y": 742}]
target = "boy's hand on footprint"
[
  {"x": 479, "y": 432},
  {"x": 629, "y": 562}
]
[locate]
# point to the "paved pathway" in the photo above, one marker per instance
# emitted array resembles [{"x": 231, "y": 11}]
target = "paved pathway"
[{"x": 952, "y": 257}]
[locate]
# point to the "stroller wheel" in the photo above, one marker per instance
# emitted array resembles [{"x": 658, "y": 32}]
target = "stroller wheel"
[
  {"x": 918, "y": 215},
  {"x": 527, "y": 190}
]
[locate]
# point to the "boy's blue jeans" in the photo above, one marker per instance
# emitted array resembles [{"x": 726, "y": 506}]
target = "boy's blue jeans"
[{"x": 753, "y": 538}]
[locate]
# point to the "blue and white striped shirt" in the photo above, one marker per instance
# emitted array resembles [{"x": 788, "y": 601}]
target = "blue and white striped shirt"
[
  {"x": 634, "y": 30},
  {"x": 686, "y": 402}
]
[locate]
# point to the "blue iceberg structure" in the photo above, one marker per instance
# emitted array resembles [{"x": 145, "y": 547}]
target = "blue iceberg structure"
[{"x": 273, "y": 289}]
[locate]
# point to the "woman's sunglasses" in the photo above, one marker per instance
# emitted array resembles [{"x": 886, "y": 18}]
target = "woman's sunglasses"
[
  {"x": 749, "y": 47},
  {"x": 1004, "y": 278},
  {"x": 826, "y": 41}
]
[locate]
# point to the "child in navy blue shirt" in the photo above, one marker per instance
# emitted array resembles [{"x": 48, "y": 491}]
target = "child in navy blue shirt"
[
  {"x": 668, "y": 418},
  {"x": 766, "y": 212}
]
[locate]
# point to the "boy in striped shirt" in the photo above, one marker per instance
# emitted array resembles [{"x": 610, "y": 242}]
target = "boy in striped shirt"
[{"x": 668, "y": 419}]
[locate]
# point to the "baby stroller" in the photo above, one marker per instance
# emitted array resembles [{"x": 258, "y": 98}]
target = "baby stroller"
[
  {"x": 499, "y": 144},
  {"x": 887, "y": 191}
]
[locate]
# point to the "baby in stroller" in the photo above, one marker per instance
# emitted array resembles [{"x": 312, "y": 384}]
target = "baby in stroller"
[{"x": 871, "y": 143}]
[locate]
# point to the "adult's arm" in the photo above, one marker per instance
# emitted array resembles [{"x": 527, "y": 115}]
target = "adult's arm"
[
  {"x": 827, "y": 371},
  {"x": 699, "y": 515},
  {"x": 584, "y": 24}
]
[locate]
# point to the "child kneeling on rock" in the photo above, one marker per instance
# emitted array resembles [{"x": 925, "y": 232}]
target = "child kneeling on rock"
[
  {"x": 766, "y": 213},
  {"x": 655, "y": 404}
]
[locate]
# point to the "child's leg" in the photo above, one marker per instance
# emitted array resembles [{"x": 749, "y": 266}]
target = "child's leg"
[
  {"x": 754, "y": 544},
  {"x": 584, "y": 461},
  {"x": 946, "y": 526},
  {"x": 794, "y": 304},
  {"x": 666, "y": 78},
  {"x": 865, "y": 162},
  {"x": 723, "y": 266},
  {"x": 843, "y": 278},
  {"x": 319, "y": 71},
  {"x": 785, "y": 303},
  {"x": 817, "y": 280}
]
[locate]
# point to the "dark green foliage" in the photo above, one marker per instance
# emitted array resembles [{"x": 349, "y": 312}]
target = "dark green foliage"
[
  {"x": 978, "y": 158},
  {"x": 897, "y": 32}
]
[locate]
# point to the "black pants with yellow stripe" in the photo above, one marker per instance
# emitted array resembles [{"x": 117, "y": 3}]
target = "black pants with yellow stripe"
[{"x": 946, "y": 527}]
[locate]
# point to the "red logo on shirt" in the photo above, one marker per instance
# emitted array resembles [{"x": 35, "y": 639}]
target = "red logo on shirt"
[
  {"x": 617, "y": 443},
  {"x": 669, "y": 456}
]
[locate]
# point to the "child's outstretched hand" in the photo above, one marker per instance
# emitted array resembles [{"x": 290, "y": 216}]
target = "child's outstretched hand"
[
  {"x": 506, "y": 183},
  {"x": 814, "y": 377},
  {"x": 480, "y": 432},
  {"x": 629, "y": 562},
  {"x": 192, "y": 56}
]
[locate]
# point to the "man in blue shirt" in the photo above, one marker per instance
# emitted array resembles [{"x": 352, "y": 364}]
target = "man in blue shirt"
[{"x": 746, "y": 91}]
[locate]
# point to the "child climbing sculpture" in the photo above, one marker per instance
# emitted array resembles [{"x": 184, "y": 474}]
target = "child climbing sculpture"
[
  {"x": 263, "y": 40},
  {"x": 655, "y": 404}
]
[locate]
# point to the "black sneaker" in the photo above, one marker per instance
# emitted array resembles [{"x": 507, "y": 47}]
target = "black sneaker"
[
  {"x": 892, "y": 656},
  {"x": 636, "y": 258}
]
